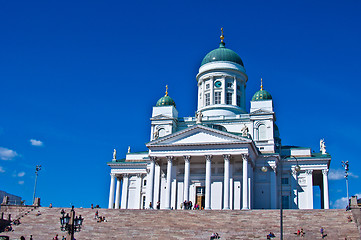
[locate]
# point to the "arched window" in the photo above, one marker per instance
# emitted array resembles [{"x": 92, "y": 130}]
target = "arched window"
[
  {"x": 262, "y": 134},
  {"x": 161, "y": 132}
]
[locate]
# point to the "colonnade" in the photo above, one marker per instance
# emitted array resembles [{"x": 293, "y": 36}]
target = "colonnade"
[
  {"x": 122, "y": 190},
  {"x": 247, "y": 181},
  {"x": 153, "y": 186}
]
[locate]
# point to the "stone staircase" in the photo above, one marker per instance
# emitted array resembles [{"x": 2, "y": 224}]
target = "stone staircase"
[{"x": 192, "y": 224}]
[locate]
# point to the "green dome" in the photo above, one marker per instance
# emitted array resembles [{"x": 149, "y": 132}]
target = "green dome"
[
  {"x": 222, "y": 54},
  {"x": 261, "y": 95},
  {"x": 165, "y": 101}
]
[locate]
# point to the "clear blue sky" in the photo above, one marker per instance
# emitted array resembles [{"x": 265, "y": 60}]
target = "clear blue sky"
[{"x": 80, "y": 78}]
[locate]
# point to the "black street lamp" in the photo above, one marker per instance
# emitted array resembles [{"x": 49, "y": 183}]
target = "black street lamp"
[
  {"x": 37, "y": 169},
  {"x": 70, "y": 224},
  {"x": 297, "y": 169},
  {"x": 346, "y": 166}
]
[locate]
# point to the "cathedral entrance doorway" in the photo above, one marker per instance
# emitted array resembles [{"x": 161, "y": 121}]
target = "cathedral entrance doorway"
[{"x": 200, "y": 200}]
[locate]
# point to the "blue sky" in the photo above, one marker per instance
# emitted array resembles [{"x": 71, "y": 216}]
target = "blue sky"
[{"x": 79, "y": 78}]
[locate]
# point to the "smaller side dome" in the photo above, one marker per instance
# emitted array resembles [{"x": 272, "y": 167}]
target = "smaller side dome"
[
  {"x": 262, "y": 94},
  {"x": 166, "y": 100}
]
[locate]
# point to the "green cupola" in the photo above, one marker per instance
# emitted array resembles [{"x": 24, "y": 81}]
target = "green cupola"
[
  {"x": 262, "y": 94},
  {"x": 222, "y": 54},
  {"x": 166, "y": 100}
]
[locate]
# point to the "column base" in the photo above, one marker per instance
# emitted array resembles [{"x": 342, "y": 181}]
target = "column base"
[
  {"x": 226, "y": 208},
  {"x": 208, "y": 208},
  {"x": 245, "y": 208}
]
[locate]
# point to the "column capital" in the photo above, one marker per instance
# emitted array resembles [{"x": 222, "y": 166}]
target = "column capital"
[
  {"x": 170, "y": 158},
  {"x": 153, "y": 159},
  {"x": 125, "y": 175},
  {"x": 325, "y": 171},
  {"x": 186, "y": 158},
  {"x": 112, "y": 174},
  {"x": 245, "y": 157},
  {"x": 227, "y": 157},
  {"x": 309, "y": 172},
  {"x": 139, "y": 175},
  {"x": 208, "y": 157}
]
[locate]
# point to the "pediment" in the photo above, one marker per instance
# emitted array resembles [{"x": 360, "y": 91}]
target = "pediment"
[
  {"x": 160, "y": 116},
  {"x": 260, "y": 111},
  {"x": 198, "y": 135}
]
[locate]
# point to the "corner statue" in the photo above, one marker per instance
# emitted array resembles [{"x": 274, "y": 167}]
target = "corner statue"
[
  {"x": 114, "y": 154},
  {"x": 322, "y": 146},
  {"x": 245, "y": 131},
  {"x": 199, "y": 116}
]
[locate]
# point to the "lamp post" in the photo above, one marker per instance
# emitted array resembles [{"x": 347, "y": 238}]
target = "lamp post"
[
  {"x": 71, "y": 223},
  {"x": 346, "y": 166},
  {"x": 297, "y": 169},
  {"x": 37, "y": 169}
]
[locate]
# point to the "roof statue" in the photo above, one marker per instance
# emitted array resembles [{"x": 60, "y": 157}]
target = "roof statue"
[
  {"x": 156, "y": 133},
  {"x": 199, "y": 116},
  {"x": 114, "y": 154},
  {"x": 245, "y": 131},
  {"x": 322, "y": 146},
  {"x": 128, "y": 149}
]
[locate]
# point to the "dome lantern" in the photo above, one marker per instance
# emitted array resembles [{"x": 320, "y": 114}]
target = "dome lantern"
[
  {"x": 262, "y": 94},
  {"x": 166, "y": 100}
]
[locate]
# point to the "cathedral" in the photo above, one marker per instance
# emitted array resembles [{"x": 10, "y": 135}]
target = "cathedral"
[{"x": 225, "y": 157}]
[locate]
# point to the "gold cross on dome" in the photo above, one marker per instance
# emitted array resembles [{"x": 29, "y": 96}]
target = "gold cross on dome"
[
  {"x": 222, "y": 37},
  {"x": 166, "y": 90}
]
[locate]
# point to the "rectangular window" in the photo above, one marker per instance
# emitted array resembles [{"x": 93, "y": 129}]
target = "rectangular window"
[
  {"x": 285, "y": 202},
  {"x": 208, "y": 99},
  {"x": 207, "y": 86},
  {"x": 229, "y": 98},
  {"x": 217, "y": 98},
  {"x": 229, "y": 85},
  {"x": 238, "y": 100},
  {"x": 284, "y": 181}
]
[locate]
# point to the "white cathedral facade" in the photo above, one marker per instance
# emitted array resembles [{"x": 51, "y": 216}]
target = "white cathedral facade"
[{"x": 223, "y": 158}]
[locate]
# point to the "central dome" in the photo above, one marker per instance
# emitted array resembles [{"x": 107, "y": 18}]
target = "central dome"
[{"x": 222, "y": 54}]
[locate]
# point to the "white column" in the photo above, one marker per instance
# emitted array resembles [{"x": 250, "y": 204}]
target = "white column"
[
  {"x": 186, "y": 178},
  {"x": 309, "y": 195},
  {"x": 326, "y": 201},
  {"x": 273, "y": 187},
  {"x": 150, "y": 183},
  {"x": 231, "y": 186},
  {"x": 169, "y": 182},
  {"x": 117, "y": 194},
  {"x": 245, "y": 183},
  {"x": 234, "y": 100},
  {"x": 249, "y": 185},
  {"x": 156, "y": 188},
  {"x": 138, "y": 200},
  {"x": 124, "y": 204},
  {"x": 226, "y": 158},
  {"x": 294, "y": 189},
  {"x": 111, "y": 192},
  {"x": 208, "y": 182}
]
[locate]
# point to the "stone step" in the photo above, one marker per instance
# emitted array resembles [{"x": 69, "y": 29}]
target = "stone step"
[{"x": 189, "y": 224}]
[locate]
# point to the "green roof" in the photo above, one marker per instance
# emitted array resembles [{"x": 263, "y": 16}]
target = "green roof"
[
  {"x": 222, "y": 54},
  {"x": 165, "y": 101},
  {"x": 261, "y": 95}
]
